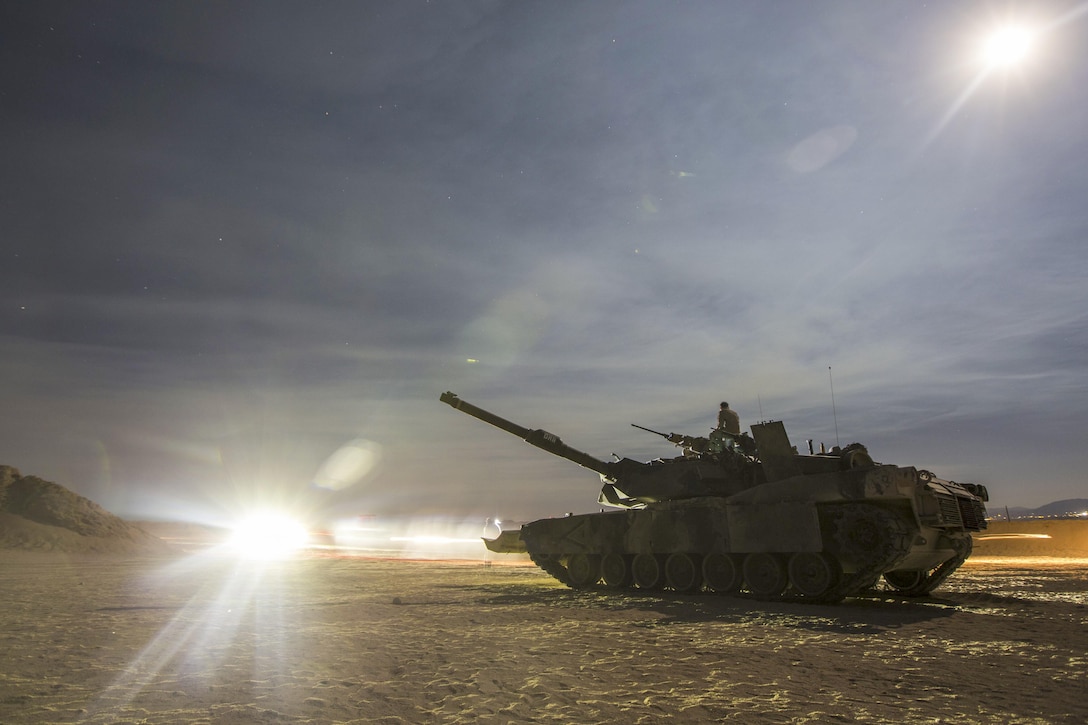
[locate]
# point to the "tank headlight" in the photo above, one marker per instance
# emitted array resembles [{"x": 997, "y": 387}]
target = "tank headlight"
[{"x": 268, "y": 535}]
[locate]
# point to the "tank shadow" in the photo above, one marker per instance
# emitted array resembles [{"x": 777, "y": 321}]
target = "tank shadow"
[
  {"x": 877, "y": 612},
  {"x": 867, "y": 614}
]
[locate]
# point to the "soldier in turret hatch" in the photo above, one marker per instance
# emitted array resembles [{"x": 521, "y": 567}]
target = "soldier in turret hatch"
[{"x": 728, "y": 420}]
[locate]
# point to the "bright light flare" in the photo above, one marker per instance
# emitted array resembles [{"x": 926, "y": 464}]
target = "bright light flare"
[
  {"x": 1007, "y": 46},
  {"x": 414, "y": 537},
  {"x": 268, "y": 535},
  {"x": 1004, "y": 51}
]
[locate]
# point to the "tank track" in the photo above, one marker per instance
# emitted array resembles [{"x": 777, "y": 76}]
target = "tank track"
[
  {"x": 550, "y": 564},
  {"x": 937, "y": 576},
  {"x": 880, "y": 546}
]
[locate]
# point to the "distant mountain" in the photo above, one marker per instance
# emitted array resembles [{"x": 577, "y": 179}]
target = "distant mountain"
[{"x": 1067, "y": 508}]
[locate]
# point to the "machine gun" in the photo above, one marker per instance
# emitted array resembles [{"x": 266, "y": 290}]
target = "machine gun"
[
  {"x": 693, "y": 443},
  {"x": 718, "y": 442}
]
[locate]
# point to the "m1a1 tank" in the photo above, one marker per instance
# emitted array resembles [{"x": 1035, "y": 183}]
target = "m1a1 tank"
[{"x": 748, "y": 515}]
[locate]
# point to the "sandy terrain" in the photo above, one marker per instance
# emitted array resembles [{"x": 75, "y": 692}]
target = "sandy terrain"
[
  {"x": 321, "y": 639},
  {"x": 1041, "y": 537}
]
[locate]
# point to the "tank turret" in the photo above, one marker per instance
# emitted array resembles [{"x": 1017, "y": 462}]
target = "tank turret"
[{"x": 748, "y": 514}]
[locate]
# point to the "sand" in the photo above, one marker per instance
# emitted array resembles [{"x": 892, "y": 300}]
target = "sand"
[{"x": 326, "y": 639}]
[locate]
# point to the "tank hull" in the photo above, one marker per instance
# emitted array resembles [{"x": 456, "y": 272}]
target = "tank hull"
[{"x": 816, "y": 538}]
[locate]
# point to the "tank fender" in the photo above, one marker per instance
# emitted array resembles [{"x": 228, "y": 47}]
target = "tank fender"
[
  {"x": 507, "y": 542},
  {"x": 577, "y": 534}
]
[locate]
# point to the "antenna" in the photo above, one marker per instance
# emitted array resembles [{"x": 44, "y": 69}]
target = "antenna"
[
  {"x": 760, "y": 401},
  {"x": 834, "y": 415}
]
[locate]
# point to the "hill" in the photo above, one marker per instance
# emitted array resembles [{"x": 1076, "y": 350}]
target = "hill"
[
  {"x": 1066, "y": 508},
  {"x": 38, "y": 515}
]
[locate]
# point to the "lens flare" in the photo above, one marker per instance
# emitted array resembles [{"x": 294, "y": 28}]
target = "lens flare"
[{"x": 348, "y": 465}]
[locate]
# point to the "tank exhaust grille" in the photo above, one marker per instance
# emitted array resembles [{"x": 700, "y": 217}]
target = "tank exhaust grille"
[
  {"x": 950, "y": 511},
  {"x": 972, "y": 513}
]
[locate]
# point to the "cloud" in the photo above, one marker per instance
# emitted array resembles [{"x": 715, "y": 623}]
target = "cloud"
[{"x": 300, "y": 225}]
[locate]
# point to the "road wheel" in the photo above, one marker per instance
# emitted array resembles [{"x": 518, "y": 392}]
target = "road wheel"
[
  {"x": 615, "y": 571},
  {"x": 682, "y": 572},
  {"x": 722, "y": 573},
  {"x": 648, "y": 571},
  {"x": 907, "y": 581},
  {"x": 765, "y": 575},
  {"x": 584, "y": 570},
  {"x": 813, "y": 573}
]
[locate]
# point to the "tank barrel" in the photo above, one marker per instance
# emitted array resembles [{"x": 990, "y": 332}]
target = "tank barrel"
[
  {"x": 542, "y": 439},
  {"x": 487, "y": 417}
]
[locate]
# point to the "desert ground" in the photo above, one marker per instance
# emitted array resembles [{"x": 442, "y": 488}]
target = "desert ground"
[{"x": 328, "y": 638}]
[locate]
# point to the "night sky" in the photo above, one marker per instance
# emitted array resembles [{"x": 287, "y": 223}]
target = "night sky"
[{"x": 246, "y": 246}]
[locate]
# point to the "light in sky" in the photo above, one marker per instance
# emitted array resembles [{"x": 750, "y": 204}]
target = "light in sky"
[{"x": 1007, "y": 46}]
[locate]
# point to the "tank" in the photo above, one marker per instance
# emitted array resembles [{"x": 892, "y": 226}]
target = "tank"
[{"x": 747, "y": 515}]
